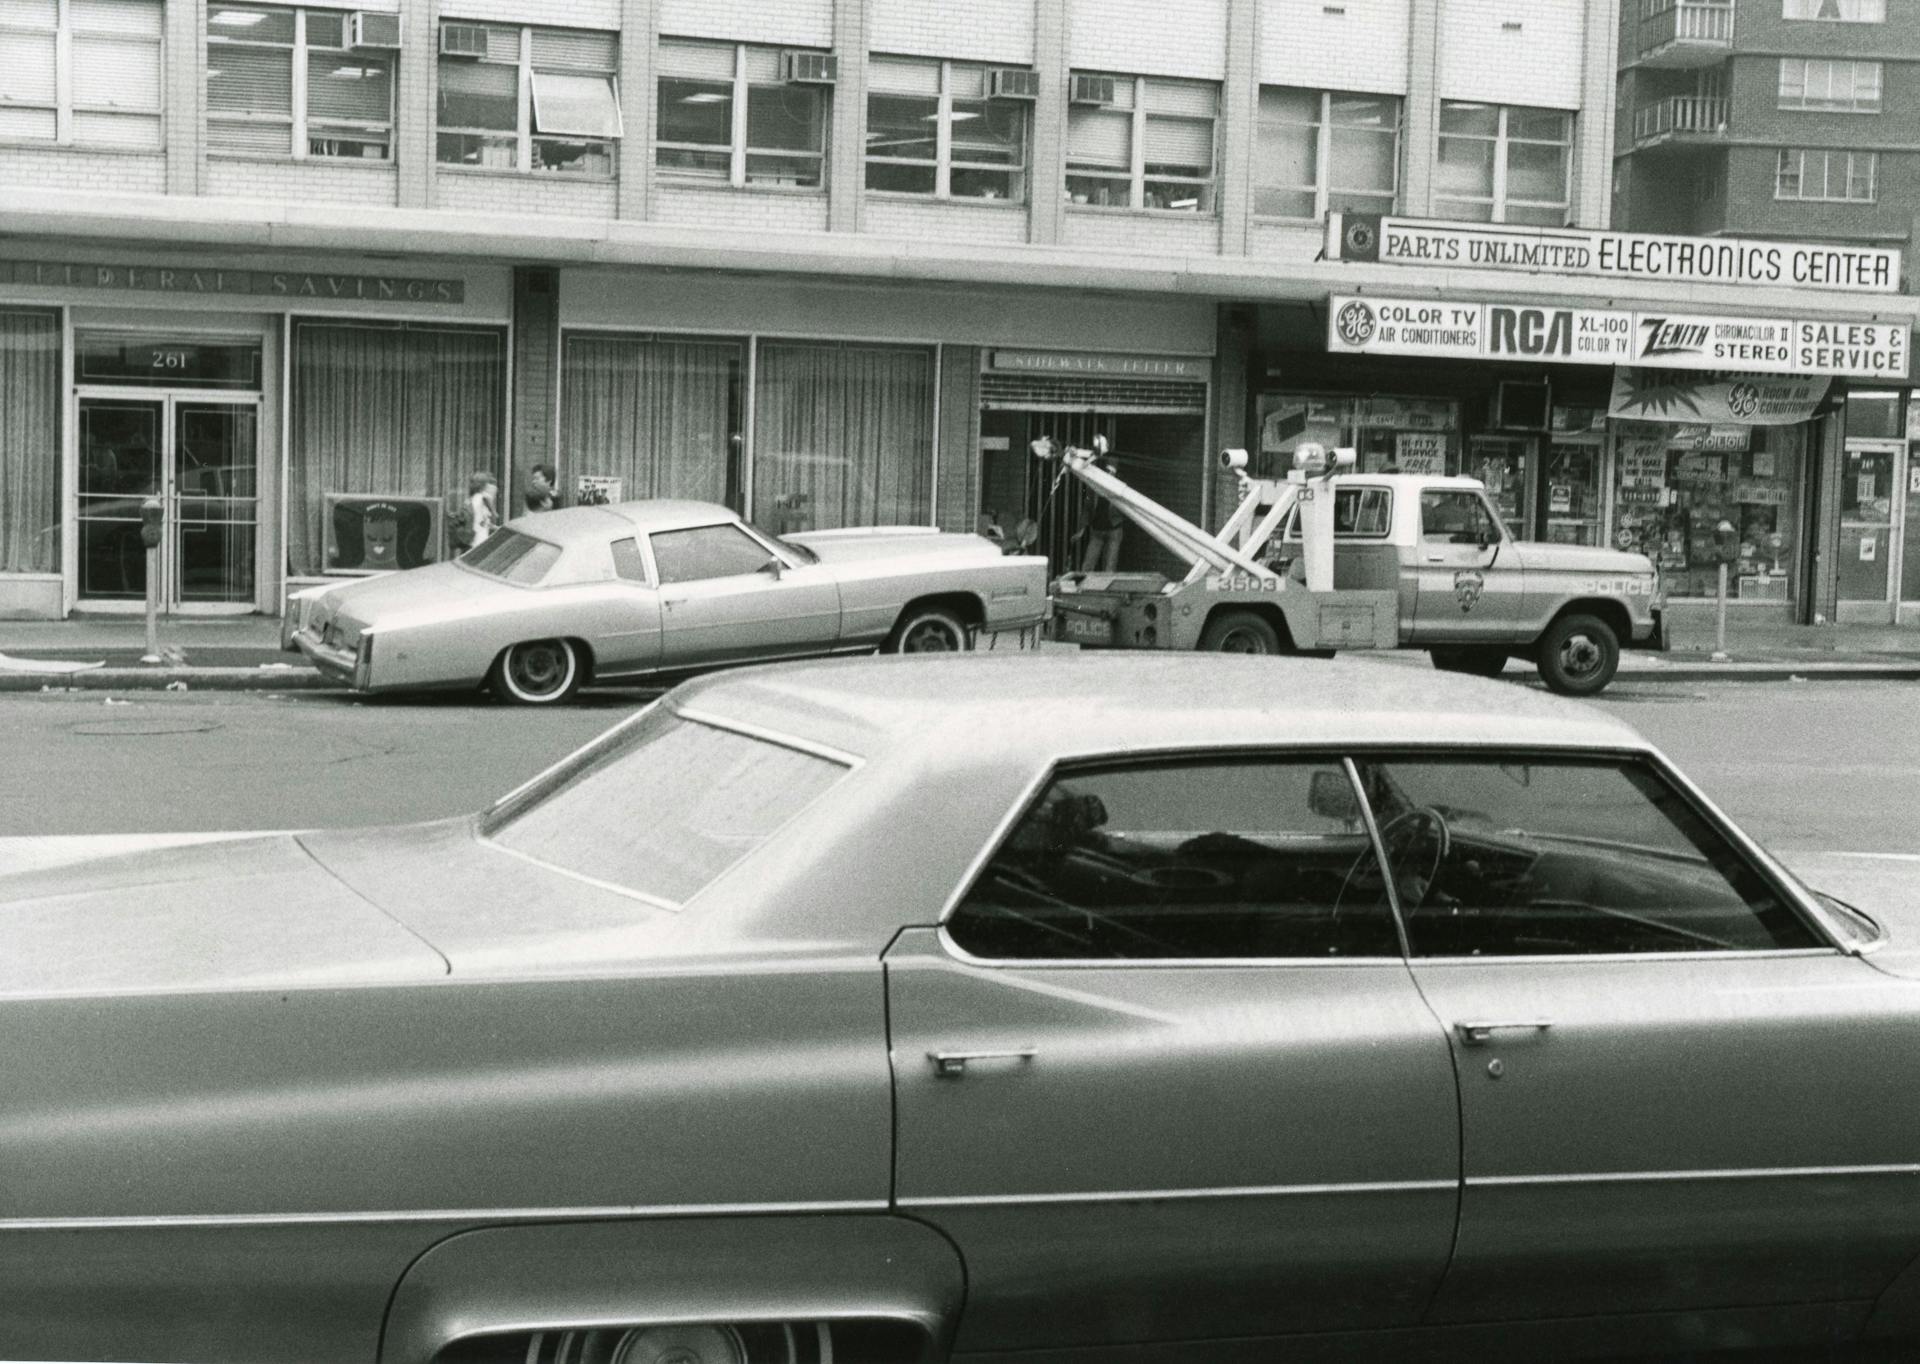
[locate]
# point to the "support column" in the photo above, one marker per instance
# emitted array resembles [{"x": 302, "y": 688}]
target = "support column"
[
  {"x": 1048, "y": 178},
  {"x": 1421, "y": 133},
  {"x": 1240, "y": 118},
  {"x": 1594, "y": 132},
  {"x": 419, "y": 69},
  {"x": 846, "y": 162},
  {"x": 639, "y": 40},
  {"x": 184, "y": 125},
  {"x": 536, "y": 378}
]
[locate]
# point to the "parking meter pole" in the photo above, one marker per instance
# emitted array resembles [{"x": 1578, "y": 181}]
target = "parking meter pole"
[
  {"x": 151, "y": 514},
  {"x": 1720, "y": 620}
]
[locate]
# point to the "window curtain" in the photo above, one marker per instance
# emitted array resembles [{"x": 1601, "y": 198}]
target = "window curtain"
[
  {"x": 843, "y": 436},
  {"x": 388, "y": 410},
  {"x": 660, "y": 415},
  {"x": 29, "y": 442}
]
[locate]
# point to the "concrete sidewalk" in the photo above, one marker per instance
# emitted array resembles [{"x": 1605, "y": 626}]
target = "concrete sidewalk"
[{"x": 242, "y": 653}]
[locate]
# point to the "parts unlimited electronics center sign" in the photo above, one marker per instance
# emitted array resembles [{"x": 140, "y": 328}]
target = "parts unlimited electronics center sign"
[
  {"x": 1594, "y": 336},
  {"x": 1613, "y": 255}
]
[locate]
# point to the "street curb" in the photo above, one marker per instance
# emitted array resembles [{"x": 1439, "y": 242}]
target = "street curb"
[{"x": 161, "y": 678}]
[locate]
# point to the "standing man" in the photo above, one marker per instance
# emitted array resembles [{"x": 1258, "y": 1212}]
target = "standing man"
[{"x": 1104, "y": 528}]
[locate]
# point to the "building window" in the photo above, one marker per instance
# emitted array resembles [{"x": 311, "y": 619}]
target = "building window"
[
  {"x": 1324, "y": 150},
  {"x": 285, "y": 82},
  {"x": 933, "y": 130},
  {"x": 81, "y": 71},
  {"x": 1504, "y": 164},
  {"x": 726, "y": 114},
  {"x": 662, "y": 414},
  {"x": 1141, "y": 142},
  {"x": 1837, "y": 11},
  {"x": 1832, "y": 176},
  {"x": 543, "y": 100},
  {"x": 1823, "y": 84}
]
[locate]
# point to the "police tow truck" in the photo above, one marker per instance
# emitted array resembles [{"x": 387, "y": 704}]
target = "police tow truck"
[{"x": 1326, "y": 559}]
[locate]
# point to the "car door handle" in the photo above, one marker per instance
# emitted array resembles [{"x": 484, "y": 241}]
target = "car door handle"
[
  {"x": 1479, "y": 1034},
  {"x": 672, "y": 601},
  {"x": 1436, "y": 558},
  {"x": 953, "y": 1064}
]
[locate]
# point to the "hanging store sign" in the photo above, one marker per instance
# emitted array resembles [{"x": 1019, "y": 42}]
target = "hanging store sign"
[
  {"x": 1717, "y": 401},
  {"x": 1612, "y": 255},
  {"x": 1190, "y": 369},
  {"x": 1590, "y": 336},
  {"x": 175, "y": 279}
]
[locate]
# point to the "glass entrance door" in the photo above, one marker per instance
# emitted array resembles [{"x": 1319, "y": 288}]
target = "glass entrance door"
[
  {"x": 1868, "y": 517},
  {"x": 200, "y": 457}
]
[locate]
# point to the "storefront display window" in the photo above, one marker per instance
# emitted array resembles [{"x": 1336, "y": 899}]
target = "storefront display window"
[
  {"x": 395, "y": 411},
  {"x": 843, "y": 436},
  {"x": 29, "y": 442},
  {"x": 660, "y": 414},
  {"x": 1674, "y": 484},
  {"x": 1390, "y": 435},
  {"x": 1572, "y": 479}
]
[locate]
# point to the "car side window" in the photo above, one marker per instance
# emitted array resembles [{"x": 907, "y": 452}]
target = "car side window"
[
  {"x": 627, "y": 562},
  {"x": 1533, "y": 855},
  {"x": 685, "y": 556},
  {"x": 1455, "y": 517},
  {"x": 1238, "y": 858}
]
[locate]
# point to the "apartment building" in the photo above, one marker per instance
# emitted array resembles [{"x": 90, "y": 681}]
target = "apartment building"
[
  {"x": 1795, "y": 119},
  {"x": 303, "y": 272}
]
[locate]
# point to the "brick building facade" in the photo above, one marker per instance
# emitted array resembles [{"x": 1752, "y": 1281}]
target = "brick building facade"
[{"x": 832, "y": 261}]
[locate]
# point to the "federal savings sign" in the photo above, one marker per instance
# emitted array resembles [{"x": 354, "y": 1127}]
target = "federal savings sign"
[
  {"x": 1593, "y": 336},
  {"x": 1613, "y": 255}
]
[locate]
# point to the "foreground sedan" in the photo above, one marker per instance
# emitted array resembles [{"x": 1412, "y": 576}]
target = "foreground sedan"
[
  {"x": 644, "y": 589},
  {"x": 1092, "y": 1008}
]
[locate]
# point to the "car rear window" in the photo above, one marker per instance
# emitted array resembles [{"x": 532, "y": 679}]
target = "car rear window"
[
  {"x": 665, "y": 806},
  {"x": 510, "y": 554}
]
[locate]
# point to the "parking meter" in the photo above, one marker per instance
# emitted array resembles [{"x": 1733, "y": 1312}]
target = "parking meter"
[
  {"x": 152, "y": 521},
  {"x": 1726, "y": 542},
  {"x": 151, "y": 514}
]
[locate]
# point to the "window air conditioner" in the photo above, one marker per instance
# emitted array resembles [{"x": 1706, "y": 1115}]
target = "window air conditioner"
[
  {"x": 809, "y": 68},
  {"x": 367, "y": 533},
  {"x": 369, "y": 29},
  {"x": 463, "y": 40},
  {"x": 1013, "y": 82},
  {"x": 1092, "y": 90},
  {"x": 1522, "y": 405}
]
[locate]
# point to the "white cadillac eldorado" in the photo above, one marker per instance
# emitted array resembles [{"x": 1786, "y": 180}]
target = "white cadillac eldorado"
[{"x": 641, "y": 589}]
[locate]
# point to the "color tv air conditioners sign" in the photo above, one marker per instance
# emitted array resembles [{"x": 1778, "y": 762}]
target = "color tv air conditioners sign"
[
  {"x": 1596, "y": 336},
  {"x": 1639, "y": 256}
]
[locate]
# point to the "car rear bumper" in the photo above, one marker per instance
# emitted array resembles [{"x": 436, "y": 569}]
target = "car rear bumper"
[{"x": 336, "y": 665}]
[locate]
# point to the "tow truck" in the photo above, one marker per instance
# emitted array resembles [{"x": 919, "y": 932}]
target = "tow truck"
[{"x": 1327, "y": 559}]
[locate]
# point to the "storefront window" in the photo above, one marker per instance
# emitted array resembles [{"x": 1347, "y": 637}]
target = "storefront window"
[
  {"x": 29, "y": 442},
  {"x": 1389, "y": 435},
  {"x": 395, "y": 411},
  {"x": 661, "y": 416},
  {"x": 843, "y": 436},
  {"x": 1675, "y": 484}
]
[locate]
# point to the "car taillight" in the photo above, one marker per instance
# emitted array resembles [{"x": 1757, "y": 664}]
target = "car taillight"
[{"x": 363, "y": 663}]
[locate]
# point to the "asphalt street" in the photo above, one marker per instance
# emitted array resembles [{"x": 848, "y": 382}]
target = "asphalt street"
[{"x": 1803, "y": 765}]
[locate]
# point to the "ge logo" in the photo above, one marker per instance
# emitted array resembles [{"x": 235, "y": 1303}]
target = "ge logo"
[
  {"x": 1355, "y": 324},
  {"x": 1743, "y": 400}
]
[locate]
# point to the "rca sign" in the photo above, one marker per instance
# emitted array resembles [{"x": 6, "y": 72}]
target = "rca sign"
[{"x": 1530, "y": 331}]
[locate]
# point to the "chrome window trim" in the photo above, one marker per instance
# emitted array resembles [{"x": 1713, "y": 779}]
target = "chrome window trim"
[
  {"x": 1178, "y": 1195},
  {"x": 594, "y": 1212},
  {"x": 747, "y": 729},
  {"x": 1705, "y": 954},
  {"x": 1674, "y": 1176},
  {"x": 966, "y": 958}
]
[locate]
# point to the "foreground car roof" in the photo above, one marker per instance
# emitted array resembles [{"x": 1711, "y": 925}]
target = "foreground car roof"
[{"x": 1026, "y": 706}]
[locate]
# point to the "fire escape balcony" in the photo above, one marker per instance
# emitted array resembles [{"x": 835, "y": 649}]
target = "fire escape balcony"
[
  {"x": 1680, "y": 119},
  {"x": 1685, "y": 33}
]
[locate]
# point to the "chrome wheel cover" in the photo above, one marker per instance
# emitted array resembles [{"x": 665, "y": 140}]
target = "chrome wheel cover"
[{"x": 930, "y": 636}]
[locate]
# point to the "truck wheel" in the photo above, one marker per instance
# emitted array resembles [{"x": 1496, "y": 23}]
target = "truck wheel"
[
  {"x": 1478, "y": 660},
  {"x": 1239, "y": 632},
  {"x": 1578, "y": 655}
]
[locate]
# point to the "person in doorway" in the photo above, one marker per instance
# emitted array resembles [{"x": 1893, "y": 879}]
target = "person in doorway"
[
  {"x": 483, "y": 504},
  {"x": 541, "y": 483},
  {"x": 1104, "y": 529}
]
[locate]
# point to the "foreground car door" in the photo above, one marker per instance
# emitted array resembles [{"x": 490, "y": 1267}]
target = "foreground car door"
[
  {"x": 721, "y": 602},
  {"x": 1163, "y": 1075},
  {"x": 1675, "y": 1094}
]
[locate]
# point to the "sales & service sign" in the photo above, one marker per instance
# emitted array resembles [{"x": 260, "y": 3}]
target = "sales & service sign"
[{"x": 1648, "y": 340}]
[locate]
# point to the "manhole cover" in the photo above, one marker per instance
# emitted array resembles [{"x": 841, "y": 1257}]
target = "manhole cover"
[{"x": 140, "y": 728}]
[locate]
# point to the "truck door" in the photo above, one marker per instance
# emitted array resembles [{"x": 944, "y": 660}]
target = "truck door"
[{"x": 1469, "y": 584}]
